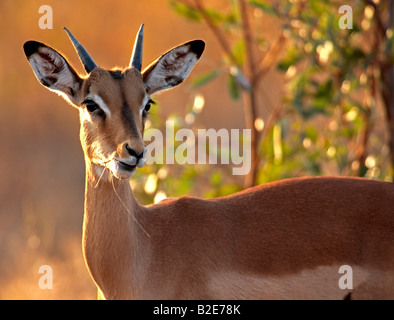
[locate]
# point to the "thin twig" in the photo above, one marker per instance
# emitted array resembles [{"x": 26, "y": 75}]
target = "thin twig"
[
  {"x": 378, "y": 17},
  {"x": 274, "y": 116},
  {"x": 268, "y": 61},
  {"x": 216, "y": 31},
  {"x": 250, "y": 102}
]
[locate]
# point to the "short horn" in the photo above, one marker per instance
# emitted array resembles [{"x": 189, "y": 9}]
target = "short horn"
[
  {"x": 86, "y": 59},
  {"x": 136, "y": 58}
]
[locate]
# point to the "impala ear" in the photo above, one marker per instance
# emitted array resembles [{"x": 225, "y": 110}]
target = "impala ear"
[
  {"x": 173, "y": 67},
  {"x": 52, "y": 69}
]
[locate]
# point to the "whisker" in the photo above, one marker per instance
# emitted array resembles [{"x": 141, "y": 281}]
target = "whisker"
[
  {"x": 127, "y": 209},
  {"x": 101, "y": 175}
]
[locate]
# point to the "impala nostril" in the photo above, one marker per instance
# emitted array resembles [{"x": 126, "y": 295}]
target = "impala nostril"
[{"x": 134, "y": 153}]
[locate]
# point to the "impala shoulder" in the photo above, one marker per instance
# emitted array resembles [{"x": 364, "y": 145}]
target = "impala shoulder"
[
  {"x": 188, "y": 202},
  {"x": 184, "y": 201}
]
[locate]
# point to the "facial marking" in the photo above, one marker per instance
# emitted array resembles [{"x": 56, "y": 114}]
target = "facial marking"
[
  {"x": 123, "y": 100},
  {"x": 96, "y": 98},
  {"x": 144, "y": 102}
]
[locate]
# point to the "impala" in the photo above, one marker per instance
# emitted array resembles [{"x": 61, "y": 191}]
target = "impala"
[{"x": 281, "y": 240}]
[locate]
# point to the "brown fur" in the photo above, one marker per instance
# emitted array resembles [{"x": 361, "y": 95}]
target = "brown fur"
[
  {"x": 285, "y": 239},
  {"x": 291, "y": 226},
  {"x": 125, "y": 125}
]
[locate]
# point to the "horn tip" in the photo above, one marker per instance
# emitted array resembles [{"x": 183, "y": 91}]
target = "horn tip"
[
  {"x": 70, "y": 34},
  {"x": 84, "y": 56},
  {"x": 141, "y": 30}
]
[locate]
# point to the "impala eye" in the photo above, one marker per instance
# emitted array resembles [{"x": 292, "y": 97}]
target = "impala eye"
[
  {"x": 91, "y": 106},
  {"x": 147, "y": 106}
]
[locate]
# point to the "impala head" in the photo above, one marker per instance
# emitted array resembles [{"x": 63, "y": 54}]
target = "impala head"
[{"x": 113, "y": 104}]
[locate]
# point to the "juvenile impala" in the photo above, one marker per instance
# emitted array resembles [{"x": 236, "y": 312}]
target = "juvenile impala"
[{"x": 282, "y": 240}]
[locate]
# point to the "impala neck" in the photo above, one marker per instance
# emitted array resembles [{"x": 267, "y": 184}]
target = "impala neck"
[{"x": 109, "y": 231}]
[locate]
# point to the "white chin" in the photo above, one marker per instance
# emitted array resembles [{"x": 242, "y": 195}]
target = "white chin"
[{"x": 120, "y": 171}]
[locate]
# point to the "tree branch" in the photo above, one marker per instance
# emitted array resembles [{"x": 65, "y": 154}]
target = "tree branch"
[
  {"x": 216, "y": 31},
  {"x": 379, "y": 21},
  {"x": 250, "y": 103},
  {"x": 269, "y": 59}
]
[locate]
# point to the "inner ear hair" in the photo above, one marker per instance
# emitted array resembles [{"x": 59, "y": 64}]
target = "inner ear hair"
[
  {"x": 52, "y": 69},
  {"x": 173, "y": 67}
]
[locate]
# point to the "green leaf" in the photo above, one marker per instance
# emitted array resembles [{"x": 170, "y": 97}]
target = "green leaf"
[
  {"x": 318, "y": 6},
  {"x": 186, "y": 11},
  {"x": 266, "y": 7},
  {"x": 233, "y": 87},
  {"x": 204, "y": 78},
  {"x": 216, "y": 179},
  {"x": 215, "y": 16},
  {"x": 311, "y": 133},
  {"x": 354, "y": 54},
  {"x": 292, "y": 57},
  {"x": 238, "y": 52}
]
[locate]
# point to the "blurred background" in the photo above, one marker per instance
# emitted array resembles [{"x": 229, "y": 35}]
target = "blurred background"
[{"x": 318, "y": 100}]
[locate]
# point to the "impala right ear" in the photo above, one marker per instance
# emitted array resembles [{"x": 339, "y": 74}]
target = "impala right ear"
[
  {"x": 52, "y": 69},
  {"x": 173, "y": 67}
]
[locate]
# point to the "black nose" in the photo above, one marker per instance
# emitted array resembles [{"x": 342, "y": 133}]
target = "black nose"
[{"x": 134, "y": 153}]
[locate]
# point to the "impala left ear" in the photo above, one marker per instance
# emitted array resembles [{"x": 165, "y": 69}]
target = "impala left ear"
[
  {"x": 173, "y": 67},
  {"x": 52, "y": 69}
]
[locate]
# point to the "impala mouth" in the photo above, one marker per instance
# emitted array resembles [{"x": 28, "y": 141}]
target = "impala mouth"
[
  {"x": 122, "y": 169},
  {"x": 125, "y": 166}
]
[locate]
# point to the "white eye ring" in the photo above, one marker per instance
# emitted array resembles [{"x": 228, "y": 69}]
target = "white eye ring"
[
  {"x": 97, "y": 99},
  {"x": 146, "y": 103}
]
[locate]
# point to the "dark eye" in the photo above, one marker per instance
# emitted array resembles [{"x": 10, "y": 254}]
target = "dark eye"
[
  {"x": 91, "y": 106},
  {"x": 147, "y": 106}
]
